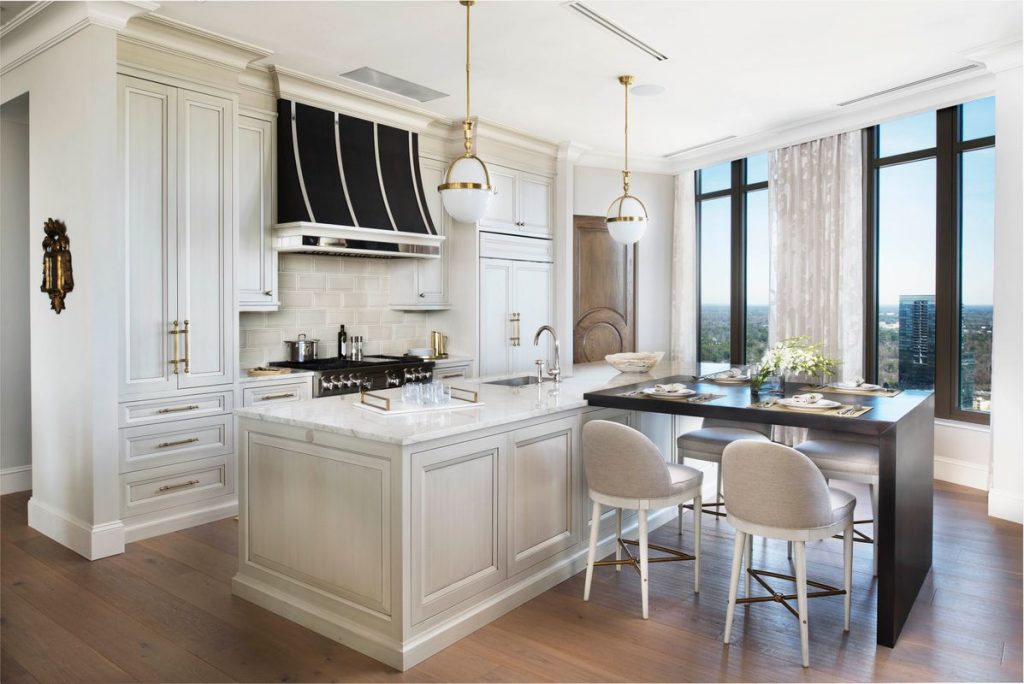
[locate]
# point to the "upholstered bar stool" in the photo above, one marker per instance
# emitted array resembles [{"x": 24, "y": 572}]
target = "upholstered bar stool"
[
  {"x": 776, "y": 492},
  {"x": 707, "y": 443},
  {"x": 852, "y": 458},
  {"x": 625, "y": 470}
]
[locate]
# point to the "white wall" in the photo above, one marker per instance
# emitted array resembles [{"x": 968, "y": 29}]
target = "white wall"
[
  {"x": 1006, "y": 499},
  {"x": 15, "y": 378},
  {"x": 593, "y": 190},
  {"x": 74, "y": 176}
]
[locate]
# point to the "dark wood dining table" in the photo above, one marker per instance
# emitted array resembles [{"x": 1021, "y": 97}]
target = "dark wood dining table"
[{"x": 905, "y": 427}]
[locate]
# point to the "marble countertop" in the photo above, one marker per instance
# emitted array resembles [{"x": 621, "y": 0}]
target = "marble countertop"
[{"x": 502, "y": 405}]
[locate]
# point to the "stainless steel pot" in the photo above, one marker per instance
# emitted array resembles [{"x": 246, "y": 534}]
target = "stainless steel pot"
[{"x": 301, "y": 349}]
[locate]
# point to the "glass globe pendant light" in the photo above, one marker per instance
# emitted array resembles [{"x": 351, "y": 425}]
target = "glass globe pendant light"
[
  {"x": 467, "y": 191},
  {"x": 627, "y": 215}
]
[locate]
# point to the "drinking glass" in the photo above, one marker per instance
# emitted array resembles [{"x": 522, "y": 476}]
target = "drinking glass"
[{"x": 412, "y": 393}]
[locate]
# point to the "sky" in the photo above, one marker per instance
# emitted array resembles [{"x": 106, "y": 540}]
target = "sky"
[{"x": 906, "y": 217}]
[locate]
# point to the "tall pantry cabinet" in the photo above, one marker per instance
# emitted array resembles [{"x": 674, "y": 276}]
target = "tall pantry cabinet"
[{"x": 179, "y": 339}]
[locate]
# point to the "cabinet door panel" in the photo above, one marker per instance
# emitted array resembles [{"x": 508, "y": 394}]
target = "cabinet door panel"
[
  {"x": 532, "y": 300},
  {"x": 458, "y": 539},
  {"x": 257, "y": 263},
  {"x": 205, "y": 192},
  {"x": 502, "y": 214},
  {"x": 147, "y": 130},
  {"x": 535, "y": 204},
  {"x": 432, "y": 276},
  {"x": 543, "y": 474},
  {"x": 495, "y": 309}
]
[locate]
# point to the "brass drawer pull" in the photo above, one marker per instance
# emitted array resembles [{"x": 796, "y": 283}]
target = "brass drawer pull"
[
  {"x": 452, "y": 375},
  {"x": 185, "y": 333},
  {"x": 176, "y": 409},
  {"x": 164, "y": 445},
  {"x": 180, "y": 485},
  {"x": 283, "y": 395}
]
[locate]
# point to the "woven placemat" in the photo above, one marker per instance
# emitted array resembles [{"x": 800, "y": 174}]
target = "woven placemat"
[
  {"x": 843, "y": 411},
  {"x": 840, "y": 390}
]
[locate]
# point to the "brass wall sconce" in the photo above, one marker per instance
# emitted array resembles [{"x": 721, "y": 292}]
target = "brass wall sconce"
[{"x": 57, "y": 277}]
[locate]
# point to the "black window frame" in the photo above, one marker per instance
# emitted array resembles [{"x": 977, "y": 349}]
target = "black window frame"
[
  {"x": 947, "y": 153},
  {"x": 737, "y": 194}
]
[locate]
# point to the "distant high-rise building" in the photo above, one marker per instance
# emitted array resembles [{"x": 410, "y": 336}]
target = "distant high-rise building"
[{"x": 917, "y": 341}]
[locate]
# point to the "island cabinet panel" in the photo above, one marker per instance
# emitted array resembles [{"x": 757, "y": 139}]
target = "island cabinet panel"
[
  {"x": 322, "y": 519},
  {"x": 608, "y": 514},
  {"x": 544, "y": 478},
  {"x": 457, "y": 510}
]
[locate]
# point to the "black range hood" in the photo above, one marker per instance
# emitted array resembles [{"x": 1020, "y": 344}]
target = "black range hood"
[{"x": 348, "y": 186}]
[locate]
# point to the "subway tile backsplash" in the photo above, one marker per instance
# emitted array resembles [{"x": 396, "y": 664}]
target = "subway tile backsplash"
[{"x": 318, "y": 293}]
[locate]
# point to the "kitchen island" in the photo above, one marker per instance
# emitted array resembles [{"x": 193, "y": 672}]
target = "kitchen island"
[{"x": 398, "y": 535}]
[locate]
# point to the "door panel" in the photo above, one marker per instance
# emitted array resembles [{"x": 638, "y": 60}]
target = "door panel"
[
  {"x": 148, "y": 152},
  {"x": 495, "y": 309},
  {"x": 532, "y": 300},
  {"x": 535, "y": 204},
  {"x": 257, "y": 267},
  {"x": 205, "y": 192},
  {"x": 432, "y": 274},
  {"x": 604, "y": 292},
  {"x": 501, "y": 214}
]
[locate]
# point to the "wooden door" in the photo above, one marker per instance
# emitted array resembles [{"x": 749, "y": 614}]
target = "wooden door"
[
  {"x": 497, "y": 332},
  {"x": 532, "y": 293},
  {"x": 206, "y": 296},
  {"x": 147, "y": 130},
  {"x": 604, "y": 292}
]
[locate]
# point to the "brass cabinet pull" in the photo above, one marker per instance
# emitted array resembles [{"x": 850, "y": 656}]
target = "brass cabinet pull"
[
  {"x": 283, "y": 395},
  {"x": 514, "y": 319},
  {"x": 186, "y": 347},
  {"x": 164, "y": 445},
  {"x": 174, "y": 357},
  {"x": 452, "y": 375},
  {"x": 176, "y": 409},
  {"x": 180, "y": 485}
]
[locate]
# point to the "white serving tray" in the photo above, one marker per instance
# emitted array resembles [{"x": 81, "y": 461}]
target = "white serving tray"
[{"x": 386, "y": 406}]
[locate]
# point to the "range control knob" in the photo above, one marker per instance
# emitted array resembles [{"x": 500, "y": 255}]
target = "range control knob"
[{"x": 392, "y": 379}]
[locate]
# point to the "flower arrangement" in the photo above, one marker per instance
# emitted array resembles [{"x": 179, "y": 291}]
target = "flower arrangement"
[{"x": 793, "y": 355}]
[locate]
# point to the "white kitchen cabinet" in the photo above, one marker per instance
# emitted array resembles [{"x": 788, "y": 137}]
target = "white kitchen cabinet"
[
  {"x": 257, "y": 258},
  {"x": 423, "y": 284},
  {"x": 521, "y": 203},
  {"x": 516, "y": 298},
  {"x": 179, "y": 317}
]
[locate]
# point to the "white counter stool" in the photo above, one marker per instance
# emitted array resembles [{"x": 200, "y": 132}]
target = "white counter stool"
[
  {"x": 707, "y": 443},
  {"x": 852, "y": 458},
  {"x": 624, "y": 469},
  {"x": 776, "y": 492}
]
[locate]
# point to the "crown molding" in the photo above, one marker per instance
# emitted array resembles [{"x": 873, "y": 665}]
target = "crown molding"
[
  {"x": 639, "y": 164},
  {"x": 191, "y": 42},
  {"x": 1002, "y": 55},
  {"x": 45, "y": 24},
  {"x": 492, "y": 131},
  {"x": 570, "y": 151},
  {"x": 293, "y": 85}
]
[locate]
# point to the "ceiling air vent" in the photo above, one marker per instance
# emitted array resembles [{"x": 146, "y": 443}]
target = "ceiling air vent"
[
  {"x": 698, "y": 147},
  {"x": 920, "y": 81},
  {"x": 622, "y": 33},
  {"x": 393, "y": 84}
]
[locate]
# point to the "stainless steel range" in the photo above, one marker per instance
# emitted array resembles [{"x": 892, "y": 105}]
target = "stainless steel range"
[{"x": 337, "y": 376}]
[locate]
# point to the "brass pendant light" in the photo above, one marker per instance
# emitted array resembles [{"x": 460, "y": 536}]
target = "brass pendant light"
[
  {"x": 627, "y": 215},
  {"x": 467, "y": 191}
]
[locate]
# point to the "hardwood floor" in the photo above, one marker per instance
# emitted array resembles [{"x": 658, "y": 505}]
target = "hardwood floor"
[{"x": 163, "y": 611}]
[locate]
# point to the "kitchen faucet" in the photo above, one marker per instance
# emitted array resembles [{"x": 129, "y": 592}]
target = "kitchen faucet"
[{"x": 554, "y": 371}]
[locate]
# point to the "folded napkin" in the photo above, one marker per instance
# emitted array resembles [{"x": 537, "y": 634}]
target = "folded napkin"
[
  {"x": 812, "y": 398},
  {"x": 731, "y": 373},
  {"x": 670, "y": 388},
  {"x": 857, "y": 381}
]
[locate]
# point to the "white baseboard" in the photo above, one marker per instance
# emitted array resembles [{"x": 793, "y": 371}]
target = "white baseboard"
[
  {"x": 15, "y": 479},
  {"x": 136, "y": 530},
  {"x": 91, "y": 541},
  {"x": 1006, "y": 505},
  {"x": 966, "y": 473}
]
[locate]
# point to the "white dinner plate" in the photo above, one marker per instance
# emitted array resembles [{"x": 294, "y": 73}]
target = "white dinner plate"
[
  {"x": 866, "y": 386},
  {"x": 820, "y": 405},
  {"x": 731, "y": 379},
  {"x": 667, "y": 395}
]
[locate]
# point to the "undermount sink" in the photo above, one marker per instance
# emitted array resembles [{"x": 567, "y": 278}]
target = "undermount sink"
[{"x": 515, "y": 382}]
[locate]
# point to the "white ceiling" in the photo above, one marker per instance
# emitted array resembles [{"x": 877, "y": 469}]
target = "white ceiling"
[{"x": 734, "y": 67}]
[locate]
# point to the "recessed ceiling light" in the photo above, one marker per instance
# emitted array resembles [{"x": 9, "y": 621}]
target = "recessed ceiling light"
[
  {"x": 647, "y": 89},
  {"x": 393, "y": 84}
]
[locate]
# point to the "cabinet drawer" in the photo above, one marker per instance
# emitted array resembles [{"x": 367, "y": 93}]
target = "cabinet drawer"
[
  {"x": 178, "y": 442},
  {"x": 516, "y": 248},
  {"x": 277, "y": 394},
  {"x": 174, "y": 408},
  {"x": 176, "y": 485},
  {"x": 451, "y": 372}
]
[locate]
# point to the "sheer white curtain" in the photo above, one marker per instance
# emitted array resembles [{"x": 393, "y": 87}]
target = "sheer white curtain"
[
  {"x": 684, "y": 273},
  {"x": 817, "y": 237}
]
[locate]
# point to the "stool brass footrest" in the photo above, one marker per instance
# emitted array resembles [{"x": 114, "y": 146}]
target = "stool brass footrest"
[
  {"x": 674, "y": 555},
  {"x": 704, "y": 508},
  {"x": 859, "y": 536},
  {"x": 784, "y": 599}
]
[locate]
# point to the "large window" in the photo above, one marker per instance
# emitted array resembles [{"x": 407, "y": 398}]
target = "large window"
[
  {"x": 732, "y": 230},
  {"x": 930, "y": 185}
]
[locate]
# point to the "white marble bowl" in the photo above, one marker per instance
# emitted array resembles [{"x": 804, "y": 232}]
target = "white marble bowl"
[{"x": 634, "y": 362}]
